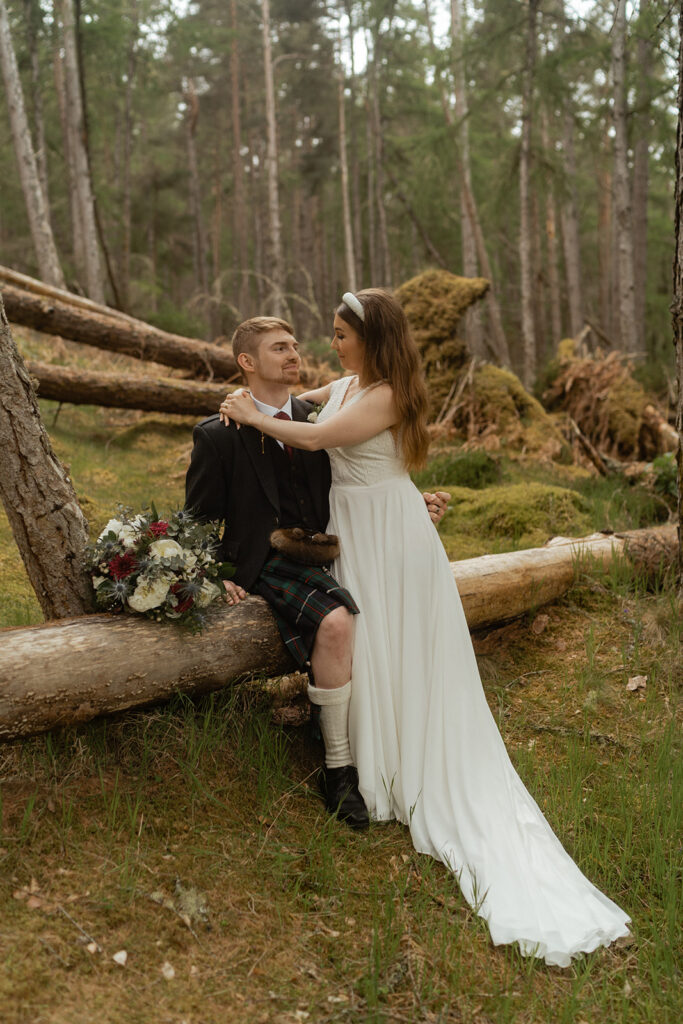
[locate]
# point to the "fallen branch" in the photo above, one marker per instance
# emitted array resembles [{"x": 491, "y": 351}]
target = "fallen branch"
[
  {"x": 115, "y": 334},
  {"x": 126, "y": 391},
  {"x": 71, "y": 671}
]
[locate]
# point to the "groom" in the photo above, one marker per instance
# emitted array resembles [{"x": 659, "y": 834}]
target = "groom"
[{"x": 254, "y": 485}]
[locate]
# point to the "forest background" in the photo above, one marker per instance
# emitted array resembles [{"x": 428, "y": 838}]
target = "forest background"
[{"x": 250, "y": 157}]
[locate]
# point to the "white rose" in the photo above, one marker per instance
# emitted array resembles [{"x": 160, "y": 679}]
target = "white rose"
[
  {"x": 128, "y": 535},
  {"x": 113, "y": 526},
  {"x": 149, "y": 594},
  {"x": 312, "y": 417},
  {"x": 207, "y": 594},
  {"x": 165, "y": 548}
]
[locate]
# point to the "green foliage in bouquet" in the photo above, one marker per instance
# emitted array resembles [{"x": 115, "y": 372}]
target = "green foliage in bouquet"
[{"x": 159, "y": 568}]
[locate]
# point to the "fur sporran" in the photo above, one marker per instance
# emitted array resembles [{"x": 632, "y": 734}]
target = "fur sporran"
[{"x": 304, "y": 546}]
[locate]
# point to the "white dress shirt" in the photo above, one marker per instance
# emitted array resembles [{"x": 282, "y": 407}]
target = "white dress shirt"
[{"x": 270, "y": 410}]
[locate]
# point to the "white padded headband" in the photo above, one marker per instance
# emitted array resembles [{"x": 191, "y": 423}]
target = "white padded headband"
[{"x": 355, "y": 304}]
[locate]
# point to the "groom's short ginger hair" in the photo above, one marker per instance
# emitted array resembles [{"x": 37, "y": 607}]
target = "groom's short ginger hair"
[{"x": 247, "y": 336}]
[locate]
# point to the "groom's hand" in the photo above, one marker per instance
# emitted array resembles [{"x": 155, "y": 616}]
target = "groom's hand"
[
  {"x": 234, "y": 592},
  {"x": 437, "y": 504}
]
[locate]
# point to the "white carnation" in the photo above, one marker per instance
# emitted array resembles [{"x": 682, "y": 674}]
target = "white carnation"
[
  {"x": 165, "y": 548},
  {"x": 97, "y": 581},
  {"x": 312, "y": 417},
  {"x": 149, "y": 594},
  {"x": 113, "y": 526},
  {"x": 189, "y": 559},
  {"x": 207, "y": 594},
  {"x": 128, "y": 535}
]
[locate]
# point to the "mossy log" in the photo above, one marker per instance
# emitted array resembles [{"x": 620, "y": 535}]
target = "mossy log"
[
  {"x": 126, "y": 391},
  {"x": 69, "y": 672},
  {"x": 115, "y": 334}
]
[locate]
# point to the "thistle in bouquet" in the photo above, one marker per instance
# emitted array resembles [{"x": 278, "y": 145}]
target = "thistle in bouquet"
[{"x": 159, "y": 568}]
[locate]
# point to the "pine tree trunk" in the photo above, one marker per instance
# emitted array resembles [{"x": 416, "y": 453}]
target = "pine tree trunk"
[
  {"x": 34, "y": 195},
  {"x": 94, "y": 280},
  {"x": 525, "y": 227},
  {"x": 641, "y": 157},
  {"x": 74, "y": 208},
  {"x": 569, "y": 218},
  {"x": 622, "y": 190},
  {"x": 376, "y": 123},
  {"x": 126, "y": 198},
  {"x": 355, "y": 162},
  {"x": 551, "y": 243},
  {"x": 473, "y": 327},
  {"x": 199, "y": 233},
  {"x": 41, "y": 505},
  {"x": 33, "y": 17},
  {"x": 350, "y": 262},
  {"x": 275, "y": 269},
  {"x": 677, "y": 304},
  {"x": 241, "y": 254}
]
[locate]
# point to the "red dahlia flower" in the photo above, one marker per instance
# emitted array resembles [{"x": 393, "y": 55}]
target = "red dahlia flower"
[
  {"x": 123, "y": 565},
  {"x": 159, "y": 528}
]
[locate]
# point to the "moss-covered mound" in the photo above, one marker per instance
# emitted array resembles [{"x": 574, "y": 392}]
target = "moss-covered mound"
[
  {"x": 435, "y": 302},
  {"x": 518, "y": 516},
  {"x": 497, "y": 413},
  {"x": 607, "y": 403}
]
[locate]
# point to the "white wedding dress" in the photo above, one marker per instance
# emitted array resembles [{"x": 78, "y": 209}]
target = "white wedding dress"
[{"x": 426, "y": 746}]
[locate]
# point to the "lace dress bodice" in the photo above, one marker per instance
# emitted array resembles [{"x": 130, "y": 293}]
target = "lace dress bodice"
[{"x": 370, "y": 462}]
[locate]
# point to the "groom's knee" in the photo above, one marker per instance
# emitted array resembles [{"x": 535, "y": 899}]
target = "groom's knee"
[{"x": 336, "y": 630}]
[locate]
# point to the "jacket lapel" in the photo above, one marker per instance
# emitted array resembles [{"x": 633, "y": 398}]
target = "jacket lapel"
[
  {"x": 313, "y": 462},
  {"x": 253, "y": 441}
]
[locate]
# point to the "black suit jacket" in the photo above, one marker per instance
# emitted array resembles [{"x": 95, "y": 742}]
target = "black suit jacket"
[{"x": 231, "y": 478}]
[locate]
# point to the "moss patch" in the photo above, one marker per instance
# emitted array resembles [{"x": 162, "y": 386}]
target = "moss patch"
[
  {"x": 510, "y": 517},
  {"x": 434, "y": 303}
]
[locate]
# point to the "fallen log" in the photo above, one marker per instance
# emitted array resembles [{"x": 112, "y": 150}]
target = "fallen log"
[
  {"x": 37, "y": 287},
  {"x": 127, "y": 337},
  {"x": 126, "y": 391},
  {"x": 69, "y": 672}
]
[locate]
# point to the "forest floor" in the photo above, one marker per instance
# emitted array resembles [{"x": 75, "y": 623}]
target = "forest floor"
[{"x": 282, "y": 914}]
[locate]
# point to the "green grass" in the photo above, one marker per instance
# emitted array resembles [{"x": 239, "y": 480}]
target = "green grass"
[{"x": 309, "y": 917}]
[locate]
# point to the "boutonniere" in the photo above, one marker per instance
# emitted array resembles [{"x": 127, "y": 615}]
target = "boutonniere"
[{"x": 315, "y": 412}]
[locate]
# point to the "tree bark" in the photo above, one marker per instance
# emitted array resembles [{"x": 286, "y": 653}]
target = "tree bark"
[
  {"x": 473, "y": 326},
  {"x": 525, "y": 226},
  {"x": 199, "y": 233},
  {"x": 129, "y": 337},
  {"x": 241, "y": 258},
  {"x": 63, "y": 674},
  {"x": 677, "y": 304},
  {"x": 41, "y": 505},
  {"x": 126, "y": 391},
  {"x": 641, "y": 159},
  {"x": 34, "y": 195},
  {"x": 126, "y": 198},
  {"x": 350, "y": 261},
  {"x": 94, "y": 280},
  {"x": 34, "y": 18},
  {"x": 622, "y": 189},
  {"x": 276, "y": 268},
  {"x": 551, "y": 243}
]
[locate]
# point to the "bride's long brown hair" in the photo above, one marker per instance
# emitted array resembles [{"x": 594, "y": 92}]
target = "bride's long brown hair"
[{"x": 391, "y": 355}]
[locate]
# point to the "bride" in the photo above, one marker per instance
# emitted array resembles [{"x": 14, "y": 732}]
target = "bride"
[{"x": 426, "y": 746}]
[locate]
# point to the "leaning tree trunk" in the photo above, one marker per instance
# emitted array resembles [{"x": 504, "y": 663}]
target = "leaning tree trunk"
[
  {"x": 677, "y": 305},
  {"x": 127, "y": 336},
  {"x": 68, "y": 673},
  {"x": 41, "y": 505},
  {"x": 126, "y": 391},
  {"x": 34, "y": 196}
]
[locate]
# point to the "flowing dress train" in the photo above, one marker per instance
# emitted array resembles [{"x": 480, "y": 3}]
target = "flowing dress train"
[{"x": 427, "y": 748}]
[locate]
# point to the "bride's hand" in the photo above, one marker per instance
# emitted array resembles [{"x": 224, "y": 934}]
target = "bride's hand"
[
  {"x": 239, "y": 407},
  {"x": 223, "y": 416}
]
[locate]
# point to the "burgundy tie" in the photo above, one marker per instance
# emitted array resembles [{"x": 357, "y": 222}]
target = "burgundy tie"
[{"x": 283, "y": 416}]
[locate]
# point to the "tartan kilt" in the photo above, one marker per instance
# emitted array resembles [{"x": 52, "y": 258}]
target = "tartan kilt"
[{"x": 300, "y": 597}]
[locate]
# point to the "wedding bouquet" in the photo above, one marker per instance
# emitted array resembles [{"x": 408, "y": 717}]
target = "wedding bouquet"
[{"x": 160, "y": 568}]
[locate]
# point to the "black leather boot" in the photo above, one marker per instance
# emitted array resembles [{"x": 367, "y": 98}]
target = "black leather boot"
[{"x": 339, "y": 786}]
